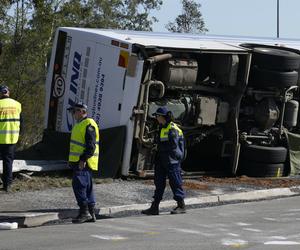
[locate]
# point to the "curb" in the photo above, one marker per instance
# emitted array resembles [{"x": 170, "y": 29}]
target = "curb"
[
  {"x": 25, "y": 219},
  {"x": 29, "y": 219}
]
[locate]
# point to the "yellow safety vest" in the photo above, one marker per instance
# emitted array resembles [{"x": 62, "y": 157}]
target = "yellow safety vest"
[
  {"x": 10, "y": 111},
  {"x": 164, "y": 133},
  {"x": 77, "y": 143}
]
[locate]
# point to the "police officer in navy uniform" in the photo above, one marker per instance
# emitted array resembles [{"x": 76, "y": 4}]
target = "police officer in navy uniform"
[
  {"x": 10, "y": 126},
  {"x": 170, "y": 154},
  {"x": 83, "y": 158}
]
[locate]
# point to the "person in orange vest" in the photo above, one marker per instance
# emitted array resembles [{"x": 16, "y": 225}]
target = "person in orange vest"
[
  {"x": 83, "y": 158},
  {"x": 10, "y": 125}
]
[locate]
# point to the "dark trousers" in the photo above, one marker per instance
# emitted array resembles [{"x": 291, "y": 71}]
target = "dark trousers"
[
  {"x": 173, "y": 172},
  {"x": 83, "y": 186},
  {"x": 7, "y": 152}
]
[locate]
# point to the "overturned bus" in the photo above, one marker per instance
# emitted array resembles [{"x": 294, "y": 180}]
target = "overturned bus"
[{"x": 235, "y": 99}]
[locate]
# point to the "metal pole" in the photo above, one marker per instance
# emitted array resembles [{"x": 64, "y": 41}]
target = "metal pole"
[{"x": 277, "y": 18}]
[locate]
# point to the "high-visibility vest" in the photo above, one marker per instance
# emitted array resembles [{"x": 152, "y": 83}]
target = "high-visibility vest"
[
  {"x": 77, "y": 143},
  {"x": 164, "y": 133},
  {"x": 10, "y": 111}
]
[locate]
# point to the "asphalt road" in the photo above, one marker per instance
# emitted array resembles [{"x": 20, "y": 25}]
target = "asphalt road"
[{"x": 272, "y": 224}]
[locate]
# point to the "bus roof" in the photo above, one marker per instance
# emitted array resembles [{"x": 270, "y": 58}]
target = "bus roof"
[
  {"x": 164, "y": 40},
  {"x": 188, "y": 41}
]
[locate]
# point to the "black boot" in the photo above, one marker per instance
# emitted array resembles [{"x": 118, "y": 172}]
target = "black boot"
[
  {"x": 6, "y": 188},
  {"x": 83, "y": 215},
  {"x": 180, "y": 209},
  {"x": 92, "y": 213},
  {"x": 153, "y": 210}
]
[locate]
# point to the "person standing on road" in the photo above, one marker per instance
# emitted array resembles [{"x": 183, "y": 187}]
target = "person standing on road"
[
  {"x": 10, "y": 124},
  {"x": 170, "y": 153},
  {"x": 83, "y": 158}
]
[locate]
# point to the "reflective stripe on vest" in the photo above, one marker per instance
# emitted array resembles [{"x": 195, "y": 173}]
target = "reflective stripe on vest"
[
  {"x": 10, "y": 111},
  {"x": 77, "y": 143},
  {"x": 164, "y": 133}
]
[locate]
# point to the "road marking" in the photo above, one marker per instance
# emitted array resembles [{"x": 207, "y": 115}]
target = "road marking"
[
  {"x": 252, "y": 229},
  {"x": 270, "y": 219},
  {"x": 289, "y": 214},
  {"x": 282, "y": 243},
  {"x": 237, "y": 243},
  {"x": 109, "y": 237},
  {"x": 234, "y": 235},
  {"x": 243, "y": 224},
  {"x": 278, "y": 237},
  {"x": 189, "y": 231}
]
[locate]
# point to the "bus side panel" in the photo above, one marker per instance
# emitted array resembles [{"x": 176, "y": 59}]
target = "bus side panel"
[
  {"x": 90, "y": 72},
  {"x": 106, "y": 87}
]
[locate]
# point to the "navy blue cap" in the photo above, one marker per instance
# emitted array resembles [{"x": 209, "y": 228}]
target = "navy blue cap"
[
  {"x": 79, "y": 105},
  {"x": 4, "y": 89},
  {"x": 163, "y": 111}
]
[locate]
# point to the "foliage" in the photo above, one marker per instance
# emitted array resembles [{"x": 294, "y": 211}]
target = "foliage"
[
  {"x": 135, "y": 19},
  {"x": 190, "y": 21},
  {"x": 27, "y": 28}
]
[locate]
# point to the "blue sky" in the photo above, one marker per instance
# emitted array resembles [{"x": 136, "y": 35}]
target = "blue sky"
[{"x": 239, "y": 17}]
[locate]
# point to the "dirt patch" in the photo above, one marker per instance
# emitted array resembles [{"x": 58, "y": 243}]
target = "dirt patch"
[
  {"x": 206, "y": 182},
  {"x": 187, "y": 184},
  {"x": 41, "y": 181},
  {"x": 258, "y": 182},
  {"x": 196, "y": 185}
]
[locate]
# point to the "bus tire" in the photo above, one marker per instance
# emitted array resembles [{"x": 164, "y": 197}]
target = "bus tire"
[
  {"x": 263, "y": 154},
  {"x": 258, "y": 169},
  {"x": 275, "y": 59},
  {"x": 269, "y": 78}
]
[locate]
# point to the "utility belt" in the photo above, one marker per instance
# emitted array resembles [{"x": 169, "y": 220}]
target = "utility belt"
[{"x": 76, "y": 170}]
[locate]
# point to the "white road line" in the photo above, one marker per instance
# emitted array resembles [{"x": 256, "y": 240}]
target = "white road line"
[
  {"x": 109, "y": 237},
  {"x": 243, "y": 224},
  {"x": 289, "y": 214},
  {"x": 252, "y": 229},
  {"x": 234, "y": 235},
  {"x": 278, "y": 237},
  {"x": 282, "y": 243},
  {"x": 234, "y": 242},
  {"x": 189, "y": 231},
  {"x": 270, "y": 219}
]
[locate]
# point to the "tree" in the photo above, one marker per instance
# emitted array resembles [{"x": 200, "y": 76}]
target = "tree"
[
  {"x": 135, "y": 14},
  {"x": 27, "y": 28},
  {"x": 190, "y": 21}
]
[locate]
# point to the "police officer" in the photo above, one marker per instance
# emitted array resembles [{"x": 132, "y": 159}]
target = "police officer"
[
  {"x": 170, "y": 153},
  {"x": 83, "y": 158},
  {"x": 10, "y": 122}
]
